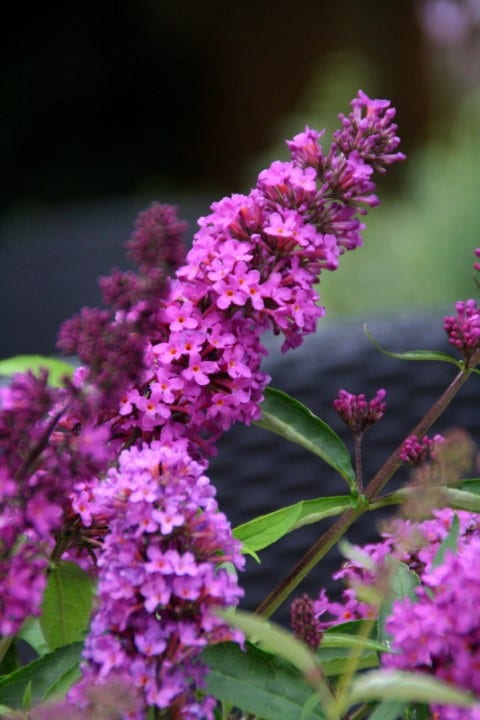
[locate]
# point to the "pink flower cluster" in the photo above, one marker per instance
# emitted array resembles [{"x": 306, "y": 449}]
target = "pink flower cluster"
[
  {"x": 254, "y": 266},
  {"x": 438, "y": 631},
  {"x": 414, "y": 544},
  {"x": 31, "y": 496},
  {"x": 163, "y": 570}
]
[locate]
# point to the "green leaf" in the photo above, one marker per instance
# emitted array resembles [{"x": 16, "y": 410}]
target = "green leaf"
[
  {"x": 259, "y": 683},
  {"x": 415, "y": 354},
  {"x": 349, "y": 635},
  {"x": 274, "y": 639},
  {"x": 42, "y": 674},
  {"x": 31, "y": 632},
  {"x": 388, "y": 710},
  {"x": 460, "y": 500},
  {"x": 396, "y": 685},
  {"x": 335, "y": 661},
  {"x": 60, "y": 687},
  {"x": 6, "y": 712},
  {"x": 67, "y": 604},
  {"x": 467, "y": 497},
  {"x": 471, "y": 485},
  {"x": 264, "y": 530},
  {"x": 57, "y": 369},
  {"x": 448, "y": 543},
  {"x": 420, "y": 711},
  {"x": 287, "y": 417},
  {"x": 341, "y": 640},
  {"x": 27, "y": 697},
  {"x": 403, "y": 583}
]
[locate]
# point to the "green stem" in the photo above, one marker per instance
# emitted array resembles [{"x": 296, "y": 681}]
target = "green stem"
[
  {"x": 358, "y": 462},
  {"x": 320, "y": 548},
  {"x": 394, "y": 462},
  {"x": 309, "y": 560}
]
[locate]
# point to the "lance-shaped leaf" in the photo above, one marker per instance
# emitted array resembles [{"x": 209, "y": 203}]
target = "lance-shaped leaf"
[
  {"x": 275, "y": 639},
  {"x": 287, "y": 417},
  {"x": 264, "y": 530},
  {"x": 343, "y": 640},
  {"x": 403, "y": 583},
  {"x": 66, "y": 605},
  {"x": 280, "y": 642},
  {"x": 389, "y": 710},
  {"x": 407, "y": 687},
  {"x": 460, "y": 499},
  {"x": 32, "y": 634},
  {"x": 259, "y": 683},
  {"x": 471, "y": 485},
  {"x": 415, "y": 354},
  {"x": 466, "y": 497},
  {"x": 42, "y": 676},
  {"x": 57, "y": 369},
  {"x": 448, "y": 543}
]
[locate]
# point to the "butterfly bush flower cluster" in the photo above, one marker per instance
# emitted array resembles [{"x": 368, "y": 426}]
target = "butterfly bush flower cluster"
[
  {"x": 415, "y": 544},
  {"x": 54, "y": 442},
  {"x": 253, "y": 267},
  {"x": 119, "y": 453},
  {"x": 163, "y": 571},
  {"x": 438, "y": 631}
]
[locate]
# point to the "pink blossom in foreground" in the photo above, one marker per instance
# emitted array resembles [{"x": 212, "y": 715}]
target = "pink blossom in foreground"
[
  {"x": 438, "y": 631},
  {"x": 415, "y": 544},
  {"x": 162, "y": 573}
]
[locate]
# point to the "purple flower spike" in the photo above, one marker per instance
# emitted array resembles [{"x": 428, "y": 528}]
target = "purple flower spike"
[
  {"x": 162, "y": 574},
  {"x": 370, "y": 130}
]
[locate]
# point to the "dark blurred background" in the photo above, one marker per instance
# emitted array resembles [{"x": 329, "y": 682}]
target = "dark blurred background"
[
  {"x": 106, "y": 107},
  {"x": 107, "y": 99}
]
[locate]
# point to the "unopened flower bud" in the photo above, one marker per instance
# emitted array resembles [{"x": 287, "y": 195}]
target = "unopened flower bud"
[{"x": 358, "y": 412}]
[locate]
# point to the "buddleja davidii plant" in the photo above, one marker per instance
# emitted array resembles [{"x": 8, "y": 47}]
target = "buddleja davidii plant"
[
  {"x": 405, "y": 595},
  {"x": 166, "y": 368}
]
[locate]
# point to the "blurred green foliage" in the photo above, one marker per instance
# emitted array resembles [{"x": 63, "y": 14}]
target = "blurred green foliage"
[
  {"x": 418, "y": 249},
  {"x": 418, "y": 244}
]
